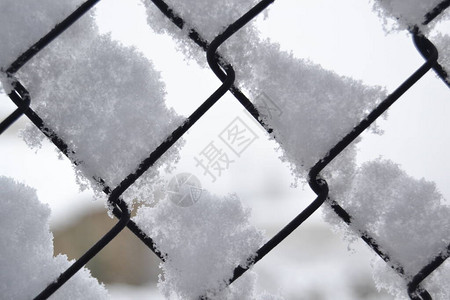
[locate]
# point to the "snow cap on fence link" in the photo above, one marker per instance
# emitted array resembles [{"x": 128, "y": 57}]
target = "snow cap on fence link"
[
  {"x": 26, "y": 262},
  {"x": 105, "y": 100},
  {"x": 407, "y": 217},
  {"x": 202, "y": 244},
  {"x": 311, "y": 120}
]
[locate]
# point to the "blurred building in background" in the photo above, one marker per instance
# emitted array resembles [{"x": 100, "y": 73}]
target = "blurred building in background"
[{"x": 123, "y": 261}]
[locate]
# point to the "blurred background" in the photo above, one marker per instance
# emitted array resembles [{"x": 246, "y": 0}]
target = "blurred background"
[{"x": 315, "y": 262}]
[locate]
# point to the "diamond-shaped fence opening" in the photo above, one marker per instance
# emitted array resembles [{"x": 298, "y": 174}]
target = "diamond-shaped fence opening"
[{"x": 91, "y": 96}]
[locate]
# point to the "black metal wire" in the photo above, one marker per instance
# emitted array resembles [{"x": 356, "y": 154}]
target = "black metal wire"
[
  {"x": 225, "y": 72},
  {"x": 438, "y": 69},
  {"x": 287, "y": 230},
  {"x": 22, "y": 106},
  {"x": 436, "y": 11}
]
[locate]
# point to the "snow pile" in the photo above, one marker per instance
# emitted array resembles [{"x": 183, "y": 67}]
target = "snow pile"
[
  {"x": 309, "y": 108},
  {"x": 26, "y": 250},
  {"x": 407, "y": 217},
  {"x": 105, "y": 100},
  {"x": 406, "y": 13},
  {"x": 317, "y": 108},
  {"x": 24, "y": 22},
  {"x": 202, "y": 245}
]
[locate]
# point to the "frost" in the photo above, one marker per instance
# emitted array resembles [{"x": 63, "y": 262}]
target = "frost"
[
  {"x": 25, "y": 22},
  {"x": 26, "y": 248},
  {"x": 105, "y": 100},
  {"x": 202, "y": 245},
  {"x": 406, "y": 13},
  {"x": 407, "y": 217}
]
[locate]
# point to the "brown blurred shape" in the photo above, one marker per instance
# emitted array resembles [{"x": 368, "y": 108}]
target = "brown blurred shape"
[{"x": 125, "y": 260}]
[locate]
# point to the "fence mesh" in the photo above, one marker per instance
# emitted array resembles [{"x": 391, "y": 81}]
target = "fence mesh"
[{"x": 225, "y": 72}]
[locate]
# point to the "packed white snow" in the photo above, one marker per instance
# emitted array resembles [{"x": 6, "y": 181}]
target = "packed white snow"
[
  {"x": 406, "y": 13},
  {"x": 24, "y": 22},
  {"x": 317, "y": 108},
  {"x": 26, "y": 246},
  {"x": 105, "y": 100},
  {"x": 202, "y": 244},
  {"x": 407, "y": 217}
]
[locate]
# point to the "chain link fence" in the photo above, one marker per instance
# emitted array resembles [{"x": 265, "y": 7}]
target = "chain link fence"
[{"x": 225, "y": 72}]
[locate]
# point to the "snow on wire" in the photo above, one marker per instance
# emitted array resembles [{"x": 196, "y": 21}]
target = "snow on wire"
[{"x": 330, "y": 120}]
